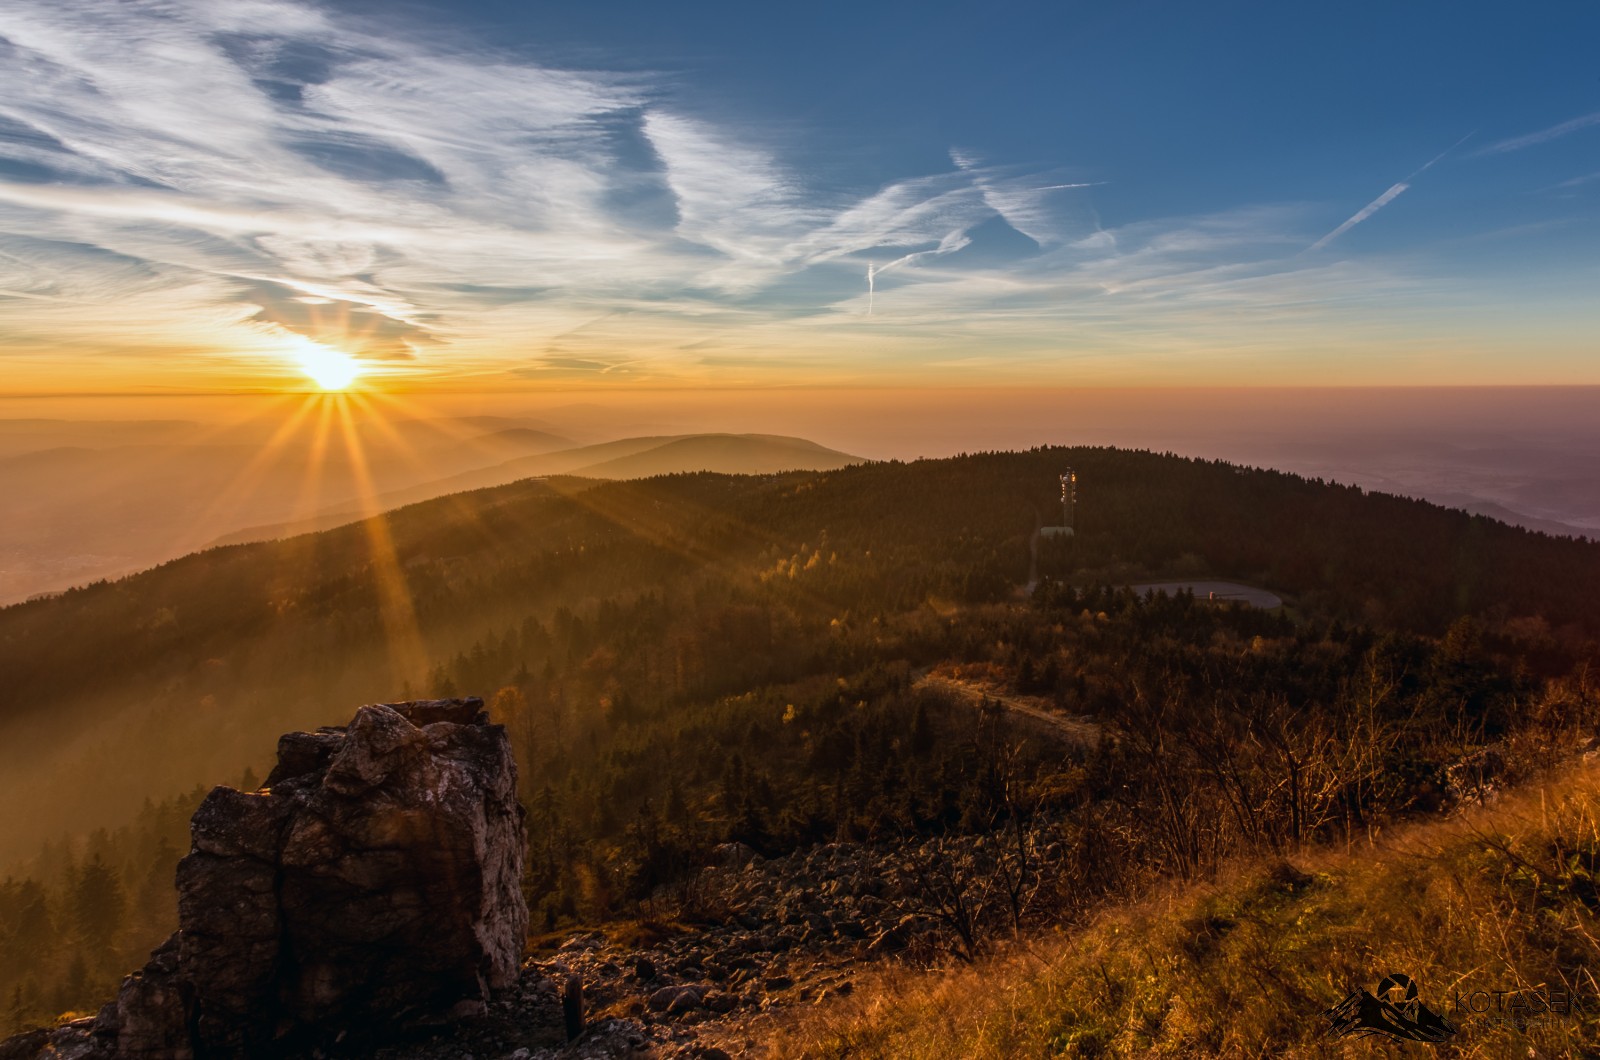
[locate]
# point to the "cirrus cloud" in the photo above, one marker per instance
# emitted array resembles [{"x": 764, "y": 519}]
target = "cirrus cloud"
[{"x": 220, "y": 174}]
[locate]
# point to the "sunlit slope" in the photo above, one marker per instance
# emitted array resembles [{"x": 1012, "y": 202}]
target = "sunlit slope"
[
  {"x": 1499, "y": 900},
  {"x": 732, "y": 454},
  {"x": 188, "y": 672}
]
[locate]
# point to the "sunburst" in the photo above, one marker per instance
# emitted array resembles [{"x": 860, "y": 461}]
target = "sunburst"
[{"x": 330, "y": 369}]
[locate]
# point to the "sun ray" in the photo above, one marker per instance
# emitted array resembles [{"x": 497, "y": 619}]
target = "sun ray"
[
  {"x": 408, "y": 658},
  {"x": 370, "y": 402},
  {"x": 249, "y": 478},
  {"x": 378, "y": 419},
  {"x": 619, "y": 510},
  {"x": 309, "y": 501}
]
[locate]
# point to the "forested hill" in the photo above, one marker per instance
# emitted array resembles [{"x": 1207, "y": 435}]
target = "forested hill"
[
  {"x": 955, "y": 528},
  {"x": 201, "y": 662}
]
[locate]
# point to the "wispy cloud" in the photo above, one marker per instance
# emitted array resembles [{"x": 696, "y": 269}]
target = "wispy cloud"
[
  {"x": 1577, "y": 182},
  {"x": 224, "y": 177},
  {"x": 730, "y": 197},
  {"x": 1554, "y": 132},
  {"x": 247, "y": 143},
  {"x": 1024, "y": 204},
  {"x": 268, "y": 145}
]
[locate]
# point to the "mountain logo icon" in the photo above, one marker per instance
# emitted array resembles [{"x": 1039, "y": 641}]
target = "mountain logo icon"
[{"x": 1392, "y": 1011}]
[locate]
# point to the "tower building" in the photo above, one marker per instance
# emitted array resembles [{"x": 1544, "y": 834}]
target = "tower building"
[{"x": 1069, "y": 507}]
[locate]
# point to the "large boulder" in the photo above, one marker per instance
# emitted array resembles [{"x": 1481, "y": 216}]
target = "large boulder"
[{"x": 372, "y": 885}]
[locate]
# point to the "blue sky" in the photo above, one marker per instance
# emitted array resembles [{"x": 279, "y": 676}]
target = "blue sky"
[
  {"x": 1192, "y": 104},
  {"x": 689, "y": 194}
]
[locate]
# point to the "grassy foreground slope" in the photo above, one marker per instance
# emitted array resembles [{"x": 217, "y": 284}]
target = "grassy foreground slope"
[{"x": 1502, "y": 898}]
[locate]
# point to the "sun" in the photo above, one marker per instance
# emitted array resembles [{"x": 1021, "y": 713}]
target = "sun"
[{"x": 330, "y": 369}]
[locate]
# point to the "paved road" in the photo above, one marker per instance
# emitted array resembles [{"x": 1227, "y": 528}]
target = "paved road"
[
  {"x": 1077, "y": 730},
  {"x": 1230, "y": 591}
]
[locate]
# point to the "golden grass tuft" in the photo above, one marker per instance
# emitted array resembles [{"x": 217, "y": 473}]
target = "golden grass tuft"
[{"x": 1501, "y": 898}]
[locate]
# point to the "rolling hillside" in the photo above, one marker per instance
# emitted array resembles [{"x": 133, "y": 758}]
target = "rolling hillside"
[{"x": 728, "y": 454}]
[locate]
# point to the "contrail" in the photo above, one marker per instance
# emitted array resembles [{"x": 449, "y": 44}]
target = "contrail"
[
  {"x": 948, "y": 245},
  {"x": 1385, "y": 199},
  {"x": 1517, "y": 143},
  {"x": 1429, "y": 164},
  {"x": 1362, "y": 214}
]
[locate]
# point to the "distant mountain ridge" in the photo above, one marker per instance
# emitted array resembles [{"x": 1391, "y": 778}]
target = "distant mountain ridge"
[
  {"x": 510, "y": 443},
  {"x": 625, "y": 458},
  {"x": 160, "y": 489}
]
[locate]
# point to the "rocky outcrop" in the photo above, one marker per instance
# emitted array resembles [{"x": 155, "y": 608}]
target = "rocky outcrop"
[{"x": 373, "y": 885}]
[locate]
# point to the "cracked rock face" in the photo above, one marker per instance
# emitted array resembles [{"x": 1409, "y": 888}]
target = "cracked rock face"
[{"x": 372, "y": 884}]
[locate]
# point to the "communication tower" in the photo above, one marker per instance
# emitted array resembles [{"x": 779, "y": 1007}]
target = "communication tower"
[{"x": 1069, "y": 506}]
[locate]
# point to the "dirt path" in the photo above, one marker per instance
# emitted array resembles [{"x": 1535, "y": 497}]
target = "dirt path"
[
  {"x": 1228, "y": 592},
  {"x": 1078, "y": 730}
]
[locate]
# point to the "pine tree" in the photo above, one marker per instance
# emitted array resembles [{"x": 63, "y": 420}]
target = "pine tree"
[{"x": 96, "y": 902}]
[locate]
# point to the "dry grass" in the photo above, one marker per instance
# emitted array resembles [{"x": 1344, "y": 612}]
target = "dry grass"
[{"x": 1502, "y": 898}]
